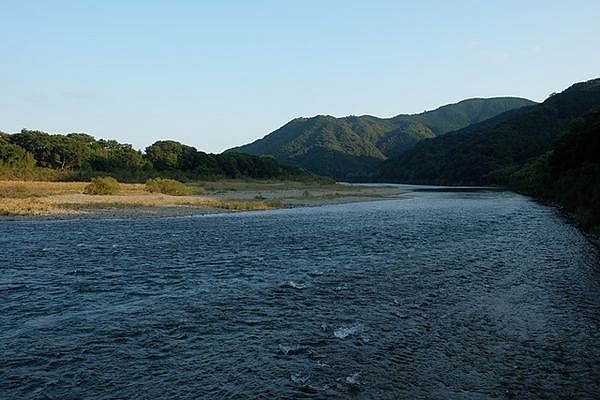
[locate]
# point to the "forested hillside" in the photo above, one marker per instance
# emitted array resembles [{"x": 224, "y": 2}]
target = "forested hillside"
[
  {"x": 39, "y": 155},
  {"x": 491, "y": 151},
  {"x": 352, "y": 147},
  {"x": 569, "y": 174}
]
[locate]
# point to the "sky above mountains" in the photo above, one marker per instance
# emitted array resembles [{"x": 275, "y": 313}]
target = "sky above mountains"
[{"x": 215, "y": 75}]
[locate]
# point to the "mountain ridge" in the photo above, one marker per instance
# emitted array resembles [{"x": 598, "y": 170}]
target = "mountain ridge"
[
  {"x": 490, "y": 151},
  {"x": 347, "y": 147}
]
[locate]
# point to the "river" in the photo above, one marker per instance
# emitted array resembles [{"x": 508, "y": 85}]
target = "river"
[{"x": 441, "y": 295}]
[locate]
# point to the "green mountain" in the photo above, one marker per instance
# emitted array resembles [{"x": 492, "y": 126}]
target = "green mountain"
[
  {"x": 350, "y": 147},
  {"x": 569, "y": 174},
  {"x": 490, "y": 151}
]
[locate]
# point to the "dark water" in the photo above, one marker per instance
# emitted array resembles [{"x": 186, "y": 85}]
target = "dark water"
[{"x": 440, "y": 295}]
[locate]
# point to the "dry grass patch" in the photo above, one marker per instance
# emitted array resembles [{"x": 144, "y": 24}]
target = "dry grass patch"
[
  {"x": 23, "y": 189},
  {"x": 237, "y": 185},
  {"x": 34, "y": 206},
  {"x": 67, "y": 198}
]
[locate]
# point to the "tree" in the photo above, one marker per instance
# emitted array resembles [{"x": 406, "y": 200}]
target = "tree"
[
  {"x": 14, "y": 156},
  {"x": 110, "y": 155},
  {"x": 37, "y": 143},
  {"x": 169, "y": 154},
  {"x": 56, "y": 151}
]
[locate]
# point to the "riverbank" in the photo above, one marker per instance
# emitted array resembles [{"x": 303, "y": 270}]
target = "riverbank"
[{"x": 25, "y": 199}]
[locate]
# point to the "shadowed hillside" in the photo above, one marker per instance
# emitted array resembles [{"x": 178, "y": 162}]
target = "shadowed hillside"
[
  {"x": 490, "y": 151},
  {"x": 569, "y": 174}
]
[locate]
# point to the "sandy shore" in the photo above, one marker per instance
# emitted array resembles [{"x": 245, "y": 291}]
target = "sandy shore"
[{"x": 19, "y": 199}]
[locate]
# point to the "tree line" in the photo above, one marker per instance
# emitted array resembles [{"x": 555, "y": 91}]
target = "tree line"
[{"x": 81, "y": 156}]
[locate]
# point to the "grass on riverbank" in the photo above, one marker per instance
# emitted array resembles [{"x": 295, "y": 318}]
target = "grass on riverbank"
[
  {"x": 22, "y": 198},
  {"x": 31, "y": 198}
]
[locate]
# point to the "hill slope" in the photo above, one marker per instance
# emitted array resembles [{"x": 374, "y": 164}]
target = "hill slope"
[
  {"x": 351, "y": 146},
  {"x": 490, "y": 151},
  {"x": 569, "y": 174}
]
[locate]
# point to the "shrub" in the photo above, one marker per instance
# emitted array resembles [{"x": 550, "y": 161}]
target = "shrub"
[
  {"x": 166, "y": 186},
  {"x": 103, "y": 186}
]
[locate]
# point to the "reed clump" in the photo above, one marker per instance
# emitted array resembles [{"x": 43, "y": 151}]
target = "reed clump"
[
  {"x": 105, "y": 185},
  {"x": 171, "y": 187}
]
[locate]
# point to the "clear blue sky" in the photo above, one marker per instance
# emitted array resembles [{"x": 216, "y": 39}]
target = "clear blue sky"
[{"x": 216, "y": 74}]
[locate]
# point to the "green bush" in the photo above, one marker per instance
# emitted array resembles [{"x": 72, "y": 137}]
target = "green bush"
[
  {"x": 103, "y": 186},
  {"x": 166, "y": 186}
]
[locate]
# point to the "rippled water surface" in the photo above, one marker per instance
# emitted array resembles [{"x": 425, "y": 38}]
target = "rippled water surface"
[{"x": 437, "y": 295}]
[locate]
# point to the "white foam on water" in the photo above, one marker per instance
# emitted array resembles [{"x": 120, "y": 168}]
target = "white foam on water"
[
  {"x": 354, "y": 379},
  {"x": 300, "y": 378},
  {"x": 289, "y": 350},
  {"x": 347, "y": 330},
  {"x": 293, "y": 285}
]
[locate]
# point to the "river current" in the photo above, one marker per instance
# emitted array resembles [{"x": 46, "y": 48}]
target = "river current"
[{"x": 441, "y": 295}]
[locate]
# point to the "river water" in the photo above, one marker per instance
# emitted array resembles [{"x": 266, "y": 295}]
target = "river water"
[{"x": 437, "y": 295}]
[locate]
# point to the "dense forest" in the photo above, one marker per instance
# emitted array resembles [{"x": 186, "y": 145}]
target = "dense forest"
[
  {"x": 569, "y": 174},
  {"x": 489, "y": 152},
  {"x": 78, "y": 156}
]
